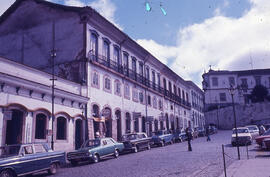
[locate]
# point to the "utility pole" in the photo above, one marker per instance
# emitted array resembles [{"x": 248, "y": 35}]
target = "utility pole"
[{"x": 53, "y": 55}]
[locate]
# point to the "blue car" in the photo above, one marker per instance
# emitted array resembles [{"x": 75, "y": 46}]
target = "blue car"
[
  {"x": 162, "y": 137},
  {"x": 25, "y": 159}
]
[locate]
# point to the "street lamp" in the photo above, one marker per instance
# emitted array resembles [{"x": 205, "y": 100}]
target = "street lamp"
[{"x": 232, "y": 92}]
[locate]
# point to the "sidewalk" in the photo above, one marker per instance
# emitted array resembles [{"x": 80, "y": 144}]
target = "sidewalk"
[{"x": 258, "y": 167}]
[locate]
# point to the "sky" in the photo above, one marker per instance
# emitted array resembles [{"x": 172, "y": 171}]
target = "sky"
[{"x": 192, "y": 35}]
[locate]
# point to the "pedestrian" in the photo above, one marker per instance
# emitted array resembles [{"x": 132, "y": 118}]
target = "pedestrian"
[
  {"x": 207, "y": 134},
  {"x": 189, "y": 137}
]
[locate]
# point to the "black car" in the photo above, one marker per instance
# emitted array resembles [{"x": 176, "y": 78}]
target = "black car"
[
  {"x": 136, "y": 141},
  {"x": 201, "y": 131}
]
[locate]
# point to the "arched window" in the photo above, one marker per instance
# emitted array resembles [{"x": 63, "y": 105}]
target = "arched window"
[
  {"x": 41, "y": 124},
  {"x": 94, "y": 47},
  {"x": 116, "y": 55},
  {"x": 61, "y": 133}
]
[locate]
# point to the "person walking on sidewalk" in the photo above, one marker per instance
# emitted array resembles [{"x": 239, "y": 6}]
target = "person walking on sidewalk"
[
  {"x": 207, "y": 133},
  {"x": 189, "y": 138}
]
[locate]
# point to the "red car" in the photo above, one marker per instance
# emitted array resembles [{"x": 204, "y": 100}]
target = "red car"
[{"x": 259, "y": 139}]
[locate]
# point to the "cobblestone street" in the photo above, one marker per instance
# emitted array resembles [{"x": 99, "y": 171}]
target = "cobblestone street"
[{"x": 171, "y": 160}]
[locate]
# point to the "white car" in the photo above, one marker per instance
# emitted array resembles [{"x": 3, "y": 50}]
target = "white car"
[
  {"x": 244, "y": 136},
  {"x": 254, "y": 130}
]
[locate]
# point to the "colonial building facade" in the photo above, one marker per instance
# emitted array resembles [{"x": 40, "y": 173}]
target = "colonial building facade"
[
  {"x": 122, "y": 87},
  {"x": 216, "y": 85}
]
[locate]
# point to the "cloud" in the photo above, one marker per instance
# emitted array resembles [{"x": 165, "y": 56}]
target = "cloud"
[
  {"x": 223, "y": 42},
  {"x": 74, "y": 3},
  {"x": 5, "y": 4}
]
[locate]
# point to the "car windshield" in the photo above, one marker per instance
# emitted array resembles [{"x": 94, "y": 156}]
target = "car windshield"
[
  {"x": 240, "y": 131},
  {"x": 252, "y": 128},
  {"x": 267, "y": 132},
  {"x": 129, "y": 137},
  {"x": 6, "y": 151},
  {"x": 91, "y": 143}
]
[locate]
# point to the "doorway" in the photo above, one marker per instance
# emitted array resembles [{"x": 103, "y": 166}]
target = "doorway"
[
  {"x": 14, "y": 128},
  {"x": 78, "y": 133}
]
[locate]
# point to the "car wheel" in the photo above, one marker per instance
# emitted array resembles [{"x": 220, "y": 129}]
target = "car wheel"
[
  {"x": 116, "y": 153},
  {"x": 96, "y": 158},
  {"x": 162, "y": 143},
  {"x": 136, "y": 149},
  {"x": 6, "y": 173},
  {"x": 53, "y": 169},
  {"x": 148, "y": 146},
  {"x": 74, "y": 162}
]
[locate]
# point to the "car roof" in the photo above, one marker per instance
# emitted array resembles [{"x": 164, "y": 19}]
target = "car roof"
[{"x": 240, "y": 128}]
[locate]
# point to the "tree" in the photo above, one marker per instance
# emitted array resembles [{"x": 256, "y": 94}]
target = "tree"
[{"x": 259, "y": 93}]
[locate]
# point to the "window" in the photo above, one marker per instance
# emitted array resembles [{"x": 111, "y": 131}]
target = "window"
[
  {"x": 222, "y": 96},
  {"x": 135, "y": 94},
  {"x": 28, "y": 149},
  {"x": 158, "y": 79},
  {"x": 214, "y": 81},
  {"x": 174, "y": 89},
  {"x": 61, "y": 133},
  {"x": 134, "y": 69},
  {"x": 170, "y": 87},
  {"x": 128, "y": 121},
  {"x": 93, "y": 46},
  {"x": 141, "y": 68},
  {"x": 107, "y": 83},
  {"x": 95, "y": 79},
  {"x": 116, "y": 56},
  {"x": 160, "y": 106},
  {"x": 141, "y": 96},
  {"x": 147, "y": 76},
  {"x": 154, "y": 102},
  {"x": 149, "y": 100},
  {"x": 125, "y": 60},
  {"x": 153, "y": 78},
  {"x": 244, "y": 84},
  {"x": 126, "y": 92},
  {"x": 187, "y": 97},
  {"x": 106, "y": 50},
  {"x": 117, "y": 87},
  {"x": 164, "y": 84},
  {"x": 41, "y": 124},
  {"x": 258, "y": 80},
  {"x": 231, "y": 81},
  {"x": 183, "y": 95},
  {"x": 179, "y": 92}
]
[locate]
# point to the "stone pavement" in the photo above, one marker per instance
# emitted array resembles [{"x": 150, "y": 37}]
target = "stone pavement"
[{"x": 257, "y": 167}]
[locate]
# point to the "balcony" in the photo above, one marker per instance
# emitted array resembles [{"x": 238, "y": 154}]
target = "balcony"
[{"x": 136, "y": 77}]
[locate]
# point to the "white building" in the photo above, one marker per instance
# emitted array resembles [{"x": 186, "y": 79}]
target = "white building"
[
  {"x": 25, "y": 108},
  {"x": 128, "y": 88},
  {"x": 197, "y": 105},
  {"x": 216, "y": 84}
]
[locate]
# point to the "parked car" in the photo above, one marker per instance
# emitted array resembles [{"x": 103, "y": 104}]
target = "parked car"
[
  {"x": 244, "y": 136},
  {"x": 26, "y": 159},
  {"x": 162, "y": 137},
  {"x": 266, "y": 144},
  {"x": 136, "y": 141},
  {"x": 94, "y": 150},
  {"x": 201, "y": 131},
  {"x": 260, "y": 139},
  {"x": 254, "y": 130},
  {"x": 177, "y": 136}
]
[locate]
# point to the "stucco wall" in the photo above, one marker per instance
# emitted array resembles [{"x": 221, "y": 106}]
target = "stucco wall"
[{"x": 258, "y": 113}]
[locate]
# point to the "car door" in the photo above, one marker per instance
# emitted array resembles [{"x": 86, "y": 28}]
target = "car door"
[
  {"x": 110, "y": 146},
  {"x": 27, "y": 160},
  {"x": 43, "y": 160}
]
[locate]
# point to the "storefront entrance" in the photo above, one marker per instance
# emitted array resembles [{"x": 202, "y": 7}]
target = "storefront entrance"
[{"x": 78, "y": 133}]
